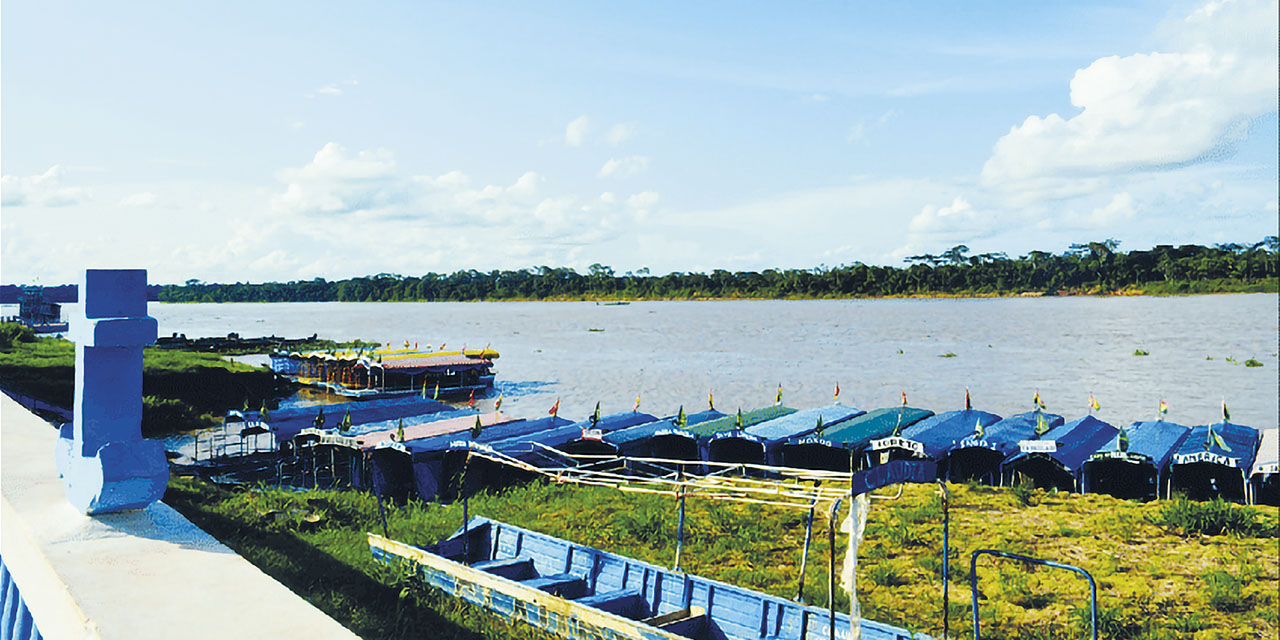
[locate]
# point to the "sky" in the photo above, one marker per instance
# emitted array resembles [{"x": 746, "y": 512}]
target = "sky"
[{"x": 251, "y": 142}]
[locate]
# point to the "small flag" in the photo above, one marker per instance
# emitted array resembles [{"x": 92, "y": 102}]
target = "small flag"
[
  {"x": 476, "y": 428},
  {"x": 262, "y": 413},
  {"x": 711, "y": 402},
  {"x": 436, "y": 395},
  {"x": 424, "y": 389},
  {"x": 777, "y": 398},
  {"x": 978, "y": 429},
  {"x": 1122, "y": 444},
  {"x": 555, "y": 408},
  {"x": 595, "y": 415},
  {"x": 1164, "y": 408},
  {"x": 836, "y": 398},
  {"x": 818, "y": 431},
  {"x": 471, "y": 402},
  {"x": 406, "y": 344},
  {"x": 682, "y": 420},
  {"x": 1226, "y": 413},
  {"x": 1035, "y": 400},
  {"x": 415, "y": 346},
  {"x": 737, "y": 420},
  {"x": 319, "y": 421},
  {"x": 498, "y": 405},
  {"x": 636, "y": 406},
  {"x": 968, "y": 402},
  {"x": 345, "y": 424},
  {"x": 400, "y": 431},
  {"x": 1093, "y": 403},
  {"x": 246, "y": 404},
  {"x": 1042, "y": 425},
  {"x": 904, "y": 397},
  {"x": 441, "y": 346},
  {"x": 1215, "y": 439}
]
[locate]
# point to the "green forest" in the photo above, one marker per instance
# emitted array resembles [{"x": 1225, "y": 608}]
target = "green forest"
[{"x": 1094, "y": 267}]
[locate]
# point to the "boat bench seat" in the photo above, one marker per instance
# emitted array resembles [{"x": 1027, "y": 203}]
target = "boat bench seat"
[
  {"x": 565, "y": 585},
  {"x": 628, "y": 603},
  {"x": 683, "y": 622},
  {"x": 510, "y": 568}
]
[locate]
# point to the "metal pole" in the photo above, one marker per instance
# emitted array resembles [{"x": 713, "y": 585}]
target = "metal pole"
[
  {"x": 804, "y": 556},
  {"x": 382, "y": 512},
  {"x": 462, "y": 489},
  {"x": 946, "y": 559},
  {"x": 680, "y": 530},
  {"x": 831, "y": 566}
]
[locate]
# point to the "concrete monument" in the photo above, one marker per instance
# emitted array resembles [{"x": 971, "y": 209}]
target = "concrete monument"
[{"x": 105, "y": 463}]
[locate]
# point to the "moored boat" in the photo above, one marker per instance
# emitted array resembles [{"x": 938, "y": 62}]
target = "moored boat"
[{"x": 580, "y": 592}]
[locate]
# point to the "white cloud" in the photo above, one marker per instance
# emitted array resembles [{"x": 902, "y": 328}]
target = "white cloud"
[
  {"x": 620, "y": 133},
  {"x": 624, "y": 167},
  {"x": 142, "y": 199},
  {"x": 1150, "y": 110},
  {"x": 336, "y": 181},
  {"x": 575, "y": 132},
  {"x": 858, "y": 132},
  {"x": 959, "y": 214},
  {"x": 331, "y": 89},
  {"x": 43, "y": 190}
]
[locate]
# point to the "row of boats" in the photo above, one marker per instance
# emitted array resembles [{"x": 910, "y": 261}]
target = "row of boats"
[
  {"x": 417, "y": 446},
  {"x": 387, "y": 372}
]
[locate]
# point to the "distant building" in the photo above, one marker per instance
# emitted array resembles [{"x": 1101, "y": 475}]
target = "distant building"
[{"x": 38, "y": 313}]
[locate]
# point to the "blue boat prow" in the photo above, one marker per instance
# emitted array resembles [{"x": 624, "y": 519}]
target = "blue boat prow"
[
  {"x": 579, "y": 592},
  {"x": 979, "y": 456}
]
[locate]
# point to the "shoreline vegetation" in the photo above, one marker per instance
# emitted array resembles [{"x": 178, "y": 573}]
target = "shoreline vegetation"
[
  {"x": 1094, "y": 268},
  {"x": 1165, "y": 570}
]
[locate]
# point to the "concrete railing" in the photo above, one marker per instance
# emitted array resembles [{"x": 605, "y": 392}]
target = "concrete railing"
[{"x": 147, "y": 573}]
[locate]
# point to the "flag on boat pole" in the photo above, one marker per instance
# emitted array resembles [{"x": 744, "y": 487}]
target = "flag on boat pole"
[
  {"x": 968, "y": 401},
  {"x": 1093, "y": 403},
  {"x": 471, "y": 402},
  {"x": 1226, "y": 413},
  {"x": 978, "y": 429},
  {"x": 777, "y": 398},
  {"x": 476, "y": 428},
  {"x": 737, "y": 420},
  {"x": 1215, "y": 439},
  {"x": 636, "y": 406},
  {"x": 595, "y": 415},
  {"x": 555, "y": 408},
  {"x": 345, "y": 424},
  {"x": 400, "y": 431},
  {"x": 1042, "y": 425},
  {"x": 836, "y": 398},
  {"x": 682, "y": 420},
  {"x": 1164, "y": 408},
  {"x": 711, "y": 402},
  {"x": 424, "y": 389},
  {"x": 262, "y": 413},
  {"x": 818, "y": 432},
  {"x": 1122, "y": 443},
  {"x": 904, "y": 397},
  {"x": 498, "y": 405},
  {"x": 319, "y": 421},
  {"x": 1035, "y": 400},
  {"x": 436, "y": 395}
]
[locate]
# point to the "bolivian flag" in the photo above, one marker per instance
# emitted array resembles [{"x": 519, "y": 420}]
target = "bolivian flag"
[
  {"x": 1035, "y": 400},
  {"x": 968, "y": 401},
  {"x": 498, "y": 405},
  {"x": 836, "y": 398},
  {"x": 777, "y": 399},
  {"x": 476, "y": 428},
  {"x": 1093, "y": 403},
  {"x": 711, "y": 402},
  {"x": 682, "y": 420}
]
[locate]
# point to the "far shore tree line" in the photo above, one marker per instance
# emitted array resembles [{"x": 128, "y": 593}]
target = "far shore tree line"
[{"x": 1094, "y": 267}]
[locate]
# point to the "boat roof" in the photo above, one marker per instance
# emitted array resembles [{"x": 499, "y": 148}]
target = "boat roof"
[
  {"x": 1077, "y": 440},
  {"x": 286, "y": 423},
  {"x": 728, "y": 422},
  {"x": 428, "y": 429},
  {"x": 492, "y": 433},
  {"x": 1155, "y": 439},
  {"x": 940, "y": 432},
  {"x": 802, "y": 422},
  {"x": 1241, "y": 440},
  {"x": 1268, "y": 458},
  {"x": 877, "y": 423},
  {"x": 558, "y": 435}
]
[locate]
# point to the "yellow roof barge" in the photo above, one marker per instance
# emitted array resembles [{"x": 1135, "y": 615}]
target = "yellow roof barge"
[{"x": 389, "y": 372}]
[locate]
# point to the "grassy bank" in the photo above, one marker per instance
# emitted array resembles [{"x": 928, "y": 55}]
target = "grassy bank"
[
  {"x": 1164, "y": 570},
  {"x": 181, "y": 390}
]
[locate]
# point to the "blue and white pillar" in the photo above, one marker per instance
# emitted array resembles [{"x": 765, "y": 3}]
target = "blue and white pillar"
[{"x": 105, "y": 463}]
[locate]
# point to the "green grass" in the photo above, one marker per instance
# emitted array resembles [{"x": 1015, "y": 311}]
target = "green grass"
[
  {"x": 1154, "y": 582},
  {"x": 181, "y": 390}
]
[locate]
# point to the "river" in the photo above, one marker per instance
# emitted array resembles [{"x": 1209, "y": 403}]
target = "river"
[{"x": 675, "y": 353}]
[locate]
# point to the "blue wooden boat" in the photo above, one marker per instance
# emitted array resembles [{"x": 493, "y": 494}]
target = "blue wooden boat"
[
  {"x": 839, "y": 448},
  {"x": 760, "y": 444},
  {"x": 635, "y": 441},
  {"x": 579, "y": 592},
  {"x": 686, "y": 443},
  {"x": 1055, "y": 460},
  {"x": 1264, "y": 478},
  {"x": 1203, "y": 469},
  {"x": 978, "y": 457},
  {"x": 1139, "y": 470},
  {"x": 930, "y": 438}
]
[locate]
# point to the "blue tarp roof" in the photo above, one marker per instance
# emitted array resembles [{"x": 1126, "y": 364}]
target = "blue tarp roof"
[
  {"x": 877, "y": 423},
  {"x": 1077, "y": 440},
  {"x": 1242, "y": 440},
  {"x": 639, "y": 432},
  {"x": 435, "y": 444},
  {"x": 286, "y": 423},
  {"x": 728, "y": 422},
  {"x": 1003, "y": 436},
  {"x": 938, "y": 433},
  {"x": 557, "y": 436},
  {"x": 1155, "y": 439},
  {"x": 802, "y": 422}
]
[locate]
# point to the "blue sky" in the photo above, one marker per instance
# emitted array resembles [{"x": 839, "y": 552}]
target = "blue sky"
[{"x": 281, "y": 141}]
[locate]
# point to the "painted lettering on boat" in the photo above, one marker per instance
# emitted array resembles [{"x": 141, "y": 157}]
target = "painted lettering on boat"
[
  {"x": 1038, "y": 446},
  {"x": 894, "y": 442},
  {"x": 1205, "y": 456}
]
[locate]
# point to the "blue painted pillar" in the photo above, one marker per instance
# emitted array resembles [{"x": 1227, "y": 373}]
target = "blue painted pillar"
[{"x": 105, "y": 463}]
